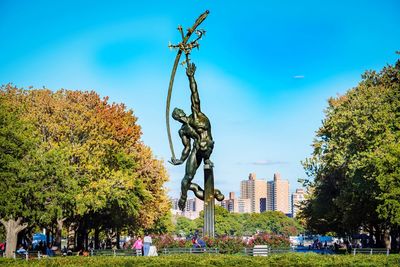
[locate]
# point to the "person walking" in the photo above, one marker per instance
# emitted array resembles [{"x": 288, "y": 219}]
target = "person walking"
[
  {"x": 138, "y": 245},
  {"x": 147, "y": 243}
]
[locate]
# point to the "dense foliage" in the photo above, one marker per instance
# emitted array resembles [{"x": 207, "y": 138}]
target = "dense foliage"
[
  {"x": 70, "y": 157},
  {"x": 238, "y": 224},
  {"x": 356, "y": 161},
  {"x": 291, "y": 259}
]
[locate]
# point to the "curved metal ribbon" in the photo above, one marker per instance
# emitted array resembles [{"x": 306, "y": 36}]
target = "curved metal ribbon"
[{"x": 199, "y": 20}]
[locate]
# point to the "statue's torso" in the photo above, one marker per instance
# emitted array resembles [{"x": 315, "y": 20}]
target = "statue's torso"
[{"x": 201, "y": 125}]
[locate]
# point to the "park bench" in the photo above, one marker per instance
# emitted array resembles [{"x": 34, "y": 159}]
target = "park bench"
[
  {"x": 260, "y": 250},
  {"x": 265, "y": 250}
]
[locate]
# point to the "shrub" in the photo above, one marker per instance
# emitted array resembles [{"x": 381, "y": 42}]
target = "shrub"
[
  {"x": 168, "y": 241},
  {"x": 275, "y": 241},
  {"x": 226, "y": 245},
  {"x": 288, "y": 259}
]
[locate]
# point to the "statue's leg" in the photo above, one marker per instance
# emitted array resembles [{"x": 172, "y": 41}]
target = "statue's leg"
[
  {"x": 207, "y": 155},
  {"x": 197, "y": 190},
  {"x": 191, "y": 166},
  {"x": 218, "y": 195}
]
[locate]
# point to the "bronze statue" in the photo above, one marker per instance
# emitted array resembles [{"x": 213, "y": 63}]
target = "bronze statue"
[
  {"x": 195, "y": 133},
  {"x": 195, "y": 127}
]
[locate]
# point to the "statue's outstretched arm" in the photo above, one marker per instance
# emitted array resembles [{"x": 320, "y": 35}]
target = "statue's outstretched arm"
[
  {"x": 190, "y": 70},
  {"x": 185, "y": 151}
]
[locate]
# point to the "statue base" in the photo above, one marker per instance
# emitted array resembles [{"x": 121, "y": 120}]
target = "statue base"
[{"x": 209, "y": 202}]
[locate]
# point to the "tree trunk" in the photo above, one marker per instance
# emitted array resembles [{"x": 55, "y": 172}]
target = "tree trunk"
[
  {"x": 378, "y": 237},
  {"x": 57, "y": 241},
  {"x": 47, "y": 237},
  {"x": 96, "y": 238},
  {"x": 371, "y": 237},
  {"x": 118, "y": 238},
  {"x": 393, "y": 237},
  {"x": 386, "y": 238},
  {"x": 86, "y": 238},
  {"x": 80, "y": 239},
  {"x": 13, "y": 227},
  {"x": 71, "y": 236}
]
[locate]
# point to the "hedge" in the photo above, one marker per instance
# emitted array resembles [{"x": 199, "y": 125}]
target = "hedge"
[{"x": 289, "y": 259}]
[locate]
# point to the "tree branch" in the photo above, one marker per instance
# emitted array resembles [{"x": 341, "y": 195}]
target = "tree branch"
[{"x": 21, "y": 227}]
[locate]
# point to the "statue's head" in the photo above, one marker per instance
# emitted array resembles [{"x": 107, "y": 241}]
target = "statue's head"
[{"x": 178, "y": 114}]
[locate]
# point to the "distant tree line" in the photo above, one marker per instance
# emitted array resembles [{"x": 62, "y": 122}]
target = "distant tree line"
[
  {"x": 72, "y": 160},
  {"x": 241, "y": 224},
  {"x": 355, "y": 165}
]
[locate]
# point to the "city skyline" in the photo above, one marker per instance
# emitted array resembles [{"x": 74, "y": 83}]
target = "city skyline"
[
  {"x": 265, "y": 70},
  {"x": 256, "y": 196}
]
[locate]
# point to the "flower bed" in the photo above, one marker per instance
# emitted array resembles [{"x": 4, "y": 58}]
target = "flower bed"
[{"x": 225, "y": 244}]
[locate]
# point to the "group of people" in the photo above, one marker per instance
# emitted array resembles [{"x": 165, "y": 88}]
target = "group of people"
[
  {"x": 145, "y": 246},
  {"x": 317, "y": 244},
  {"x": 41, "y": 246},
  {"x": 142, "y": 246}
]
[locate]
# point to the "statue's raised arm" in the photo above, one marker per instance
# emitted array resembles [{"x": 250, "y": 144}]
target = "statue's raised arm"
[{"x": 190, "y": 70}]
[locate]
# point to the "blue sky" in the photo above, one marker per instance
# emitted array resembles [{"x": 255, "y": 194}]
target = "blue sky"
[{"x": 265, "y": 70}]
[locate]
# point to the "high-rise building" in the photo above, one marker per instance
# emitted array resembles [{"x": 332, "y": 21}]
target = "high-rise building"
[
  {"x": 253, "y": 189},
  {"x": 244, "y": 205},
  {"x": 192, "y": 209},
  {"x": 230, "y": 204},
  {"x": 190, "y": 206},
  {"x": 263, "y": 204},
  {"x": 278, "y": 194},
  {"x": 236, "y": 205},
  {"x": 174, "y": 203},
  {"x": 297, "y": 198},
  {"x": 198, "y": 205},
  {"x": 270, "y": 195}
]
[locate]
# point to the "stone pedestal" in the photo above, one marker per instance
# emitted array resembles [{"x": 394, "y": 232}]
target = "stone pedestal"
[{"x": 209, "y": 208}]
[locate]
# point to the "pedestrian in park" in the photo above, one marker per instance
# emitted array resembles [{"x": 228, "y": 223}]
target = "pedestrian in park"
[
  {"x": 146, "y": 245},
  {"x": 21, "y": 250},
  {"x": 138, "y": 245},
  {"x": 49, "y": 251},
  {"x": 64, "y": 251},
  {"x": 194, "y": 242},
  {"x": 201, "y": 243}
]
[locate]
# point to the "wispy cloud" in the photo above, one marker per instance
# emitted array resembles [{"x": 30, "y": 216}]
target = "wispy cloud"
[
  {"x": 298, "y": 77},
  {"x": 264, "y": 163}
]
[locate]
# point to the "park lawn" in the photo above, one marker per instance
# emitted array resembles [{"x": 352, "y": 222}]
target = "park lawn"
[{"x": 281, "y": 260}]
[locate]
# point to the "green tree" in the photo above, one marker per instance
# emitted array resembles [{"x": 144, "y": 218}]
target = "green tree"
[
  {"x": 185, "y": 226},
  {"x": 92, "y": 170},
  {"x": 225, "y": 223},
  {"x": 353, "y": 162},
  {"x": 273, "y": 222},
  {"x": 18, "y": 158}
]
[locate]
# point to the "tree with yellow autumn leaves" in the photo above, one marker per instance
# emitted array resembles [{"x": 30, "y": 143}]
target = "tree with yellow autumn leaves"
[{"x": 71, "y": 159}]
